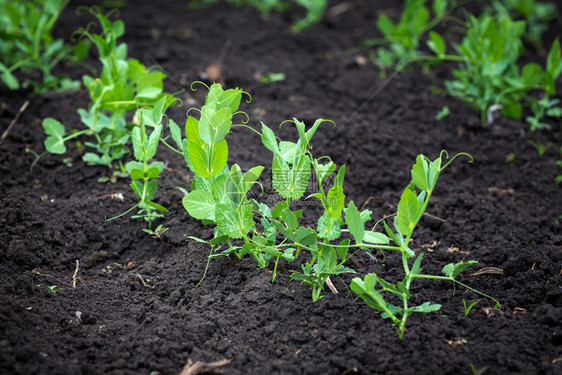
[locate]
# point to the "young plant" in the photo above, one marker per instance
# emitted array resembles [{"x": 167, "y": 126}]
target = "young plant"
[
  {"x": 489, "y": 77},
  {"x": 412, "y": 205},
  {"x": 401, "y": 41},
  {"x": 467, "y": 308},
  {"x": 144, "y": 173},
  {"x": 315, "y": 9},
  {"x": 123, "y": 86},
  {"x": 27, "y": 44},
  {"x": 536, "y": 14}
]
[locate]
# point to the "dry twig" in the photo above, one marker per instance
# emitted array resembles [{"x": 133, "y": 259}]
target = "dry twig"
[
  {"x": 23, "y": 107},
  {"x": 202, "y": 367}
]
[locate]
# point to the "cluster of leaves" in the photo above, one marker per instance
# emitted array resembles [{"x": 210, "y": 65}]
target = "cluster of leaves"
[
  {"x": 27, "y": 44},
  {"x": 401, "y": 40},
  {"x": 244, "y": 226},
  {"x": 536, "y": 15},
  {"x": 315, "y": 9},
  {"x": 490, "y": 79},
  {"x": 123, "y": 86}
]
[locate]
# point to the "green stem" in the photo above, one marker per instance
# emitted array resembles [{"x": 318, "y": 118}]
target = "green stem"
[{"x": 446, "y": 278}]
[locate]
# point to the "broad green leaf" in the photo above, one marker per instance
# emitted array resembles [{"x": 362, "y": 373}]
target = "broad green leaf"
[
  {"x": 328, "y": 228},
  {"x": 354, "y": 222},
  {"x": 55, "y": 131},
  {"x": 453, "y": 270},
  {"x": 199, "y": 159},
  {"x": 200, "y": 204},
  {"x": 376, "y": 238},
  {"x": 531, "y": 75},
  {"x": 336, "y": 202},
  {"x": 214, "y": 125},
  {"x": 219, "y": 157},
  {"x": 268, "y": 139},
  {"x": 234, "y": 222},
  {"x": 408, "y": 212},
  {"x": 289, "y": 219},
  {"x": 305, "y": 236},
  {"x": 420, "y": 174}
]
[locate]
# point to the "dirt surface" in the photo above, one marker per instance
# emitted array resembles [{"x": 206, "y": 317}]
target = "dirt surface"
[{"x": 140, "y": 310}]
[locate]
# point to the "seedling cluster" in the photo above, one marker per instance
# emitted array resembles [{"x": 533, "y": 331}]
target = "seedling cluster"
[
  {"x": 128, "y": 110},
  {"x": 27, "y": 44}
]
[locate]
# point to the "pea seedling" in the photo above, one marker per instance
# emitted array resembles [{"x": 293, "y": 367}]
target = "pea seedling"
[
  {"x": 26, "y": 44},
  {"x": 124, "y": 85},
  {"x": 411, "y": 207}
]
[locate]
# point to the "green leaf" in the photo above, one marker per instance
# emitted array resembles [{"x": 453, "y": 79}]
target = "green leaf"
[
  {"x": 234, "y": 222},
  {"x": 138, "y": 146},
  {"x": 376, "y": 238},
  {"x": 328, "y": 228},
  {"x": 324, "y": 170},
  {"x": 335, "y": 201},
  {"x": 214, "y": 126},
  {"x": 156, "y": 206},
  {"x": 453, "y": 270},
  {"x": 420, "y": 172},
  {"x": 531, "y": 75},
  {"x": 55, "y": 131},
  {"x": 8, "y": 78},
  {"x": 200, "y": 204},
  {"x": 408, "y": 212},
  {"x": 251, "y": 177},
  {"x": 153, "y": 141},
  {"x": 268, "y": 139},
  {"x": 175, "y": 131},
  {"x": 436, "y": 43},
  {"x": 554, "y": 60},
  {"x": 354, "y": 222},
  {"x": 219, "y": 157},
  {"x": 425, "y": 308},
  {"x": 439, "y": 7}
]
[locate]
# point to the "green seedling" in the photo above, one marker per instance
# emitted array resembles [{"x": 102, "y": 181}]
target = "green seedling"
[
  {"x": 444, "y": 112},
  {"x": 315, "y": 9},
  {"x": 540, "y": 147},
  {"x": 27, "y": 44},
  {"x": 467, "y": 308},
  {"x": 489, "y": 78},
  {"x": 400, "y": 44},
  {"x": 54, "y": 289},
  {"x": 272, "y": 77},
  {"x": 243, "y": 227},
  {"x": 536, "y": 14},
  {"x": 412, "y": 205},
  {"x": 144, "y": 172},
  {"x": 123, "y": 86}
]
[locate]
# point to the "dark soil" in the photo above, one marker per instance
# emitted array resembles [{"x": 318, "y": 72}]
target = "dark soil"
[{"x": 140, "y": 310}]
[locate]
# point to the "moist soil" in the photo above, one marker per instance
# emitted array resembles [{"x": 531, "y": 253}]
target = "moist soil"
[{"x": 128, "y": 303}]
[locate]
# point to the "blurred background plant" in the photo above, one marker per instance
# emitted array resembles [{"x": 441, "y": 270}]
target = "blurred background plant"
[{"x": 27, "y": 45}]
